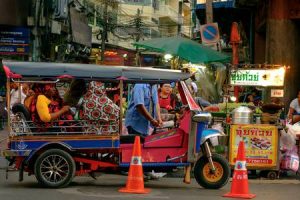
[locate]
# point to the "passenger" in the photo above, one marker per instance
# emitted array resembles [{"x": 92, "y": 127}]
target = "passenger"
[
  {"x": 76, "y": 91},
  {"x": 143, "y": 110},
  {"x": 166, "y": 97},
  {"x": 101, "y": 110},
  {"x": 46, "y": 106},
  {"x": 14, "y": 94},
  {"x": 167, "y": 103}
]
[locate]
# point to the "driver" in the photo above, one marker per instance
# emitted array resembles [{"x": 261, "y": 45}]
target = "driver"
[{"x": 143, "y": 110}]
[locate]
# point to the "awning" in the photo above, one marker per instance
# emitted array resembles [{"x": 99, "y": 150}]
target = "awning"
[
  {"x": 221, "y": 4},
  {"x": 15, "y": 69}
]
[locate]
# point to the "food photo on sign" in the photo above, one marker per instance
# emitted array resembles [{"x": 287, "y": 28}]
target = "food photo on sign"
[{"x": 261, "y": 144}]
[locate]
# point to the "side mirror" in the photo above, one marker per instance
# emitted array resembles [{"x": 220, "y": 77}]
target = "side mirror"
[{"x": 202, "y": 117}]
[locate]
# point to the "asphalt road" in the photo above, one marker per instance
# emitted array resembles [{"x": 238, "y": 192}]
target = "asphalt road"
[{"x": 106, "y": 187}]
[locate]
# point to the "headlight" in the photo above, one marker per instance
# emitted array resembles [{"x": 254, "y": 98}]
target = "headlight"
[{"x": 202, "y": 117}]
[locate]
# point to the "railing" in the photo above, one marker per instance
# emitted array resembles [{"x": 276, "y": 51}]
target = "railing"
[
  {"x": 168, "y": 11},
  {"x": 19, "y": 126}
]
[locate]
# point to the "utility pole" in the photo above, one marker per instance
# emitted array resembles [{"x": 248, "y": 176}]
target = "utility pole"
[
  {"x": 180, "y": 18},
  {"x": 138, "y": 25},
  {"x": 138, "y": 32},
  {"x": 36, "y": 52},
  {"x": 209, "y": 11},
  {"x": 104, "y": 30}
]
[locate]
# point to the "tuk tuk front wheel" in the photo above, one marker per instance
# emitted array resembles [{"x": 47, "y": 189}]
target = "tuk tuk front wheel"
[
  {"x": 54, "y": 168},
  {"x": 206, "y": 178}
]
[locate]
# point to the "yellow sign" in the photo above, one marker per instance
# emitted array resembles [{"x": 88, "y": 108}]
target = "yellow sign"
[{"x": 261, "y": 144}]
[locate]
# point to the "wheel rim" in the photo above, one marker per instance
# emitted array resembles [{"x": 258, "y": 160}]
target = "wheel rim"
[
  {"x": 54, "y": 168},
  {"x": 209, "y": 175}
]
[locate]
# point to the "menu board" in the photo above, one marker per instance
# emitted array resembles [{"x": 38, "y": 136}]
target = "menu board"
[{"x": 261, "y": 144}]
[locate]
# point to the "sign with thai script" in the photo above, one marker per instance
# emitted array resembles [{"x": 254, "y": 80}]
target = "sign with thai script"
[
  {"x": 261, "y": 144},
  {"x": 257, "y": 77},
  {"x": 277, "y": 93}
]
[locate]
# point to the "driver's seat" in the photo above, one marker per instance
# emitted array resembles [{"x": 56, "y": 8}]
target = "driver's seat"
[{"x": 129, "y": 139}]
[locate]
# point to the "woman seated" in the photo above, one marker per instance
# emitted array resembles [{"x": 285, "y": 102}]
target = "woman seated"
[
  {"x": 102, "y": 113},
  {"x": 166, "y": 98},
  {"x": 47, "y": 106},
  {"x": 75, "y": 92},
  {"x": 167, "y": 103}
]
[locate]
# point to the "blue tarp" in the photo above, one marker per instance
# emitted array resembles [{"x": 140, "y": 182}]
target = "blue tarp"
[{"x": 221, "y": 4}]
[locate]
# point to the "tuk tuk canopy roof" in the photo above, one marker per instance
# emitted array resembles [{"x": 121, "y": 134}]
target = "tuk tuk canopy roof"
[{"x": 15, "y": 69}]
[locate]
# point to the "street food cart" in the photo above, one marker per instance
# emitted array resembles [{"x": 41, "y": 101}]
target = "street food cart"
[{"x": 261, "y": 137}]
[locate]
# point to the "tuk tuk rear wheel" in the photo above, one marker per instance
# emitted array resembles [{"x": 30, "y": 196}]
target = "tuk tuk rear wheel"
[
  {"x": 206, "y": 178},
  {"x": 54, "y": 168}
]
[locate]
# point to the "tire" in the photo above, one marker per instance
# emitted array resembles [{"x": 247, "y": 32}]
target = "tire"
[
  {"x": 205, "y": 178},
  {"x": 64, "y": 170},
  {"x": 272, "y": 175}
]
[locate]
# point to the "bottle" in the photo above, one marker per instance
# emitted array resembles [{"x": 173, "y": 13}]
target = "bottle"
[
  {"x": 282, "y": 117},
  {"x": 257, "y": 120}
]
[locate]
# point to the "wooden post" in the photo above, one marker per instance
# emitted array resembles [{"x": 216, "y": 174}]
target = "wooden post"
[
  {"x": 209, "y": 11},
  {"x": 8, "y": 102},
  {"x": 282, "y": 46},
  {"x": 121, "y": 85},
  {"x": 234, "y": 41}
]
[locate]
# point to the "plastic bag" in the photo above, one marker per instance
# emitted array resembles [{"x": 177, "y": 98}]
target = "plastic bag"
[
  {"x": 290, "y": 160},
  {"x": 295, "y": 129},
  {"x": 287, "y": 139}
]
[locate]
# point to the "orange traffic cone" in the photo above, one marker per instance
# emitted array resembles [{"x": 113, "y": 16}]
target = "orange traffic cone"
[
  {"x": 239, "y": 186},
  {"x": 135, "y": 180}
]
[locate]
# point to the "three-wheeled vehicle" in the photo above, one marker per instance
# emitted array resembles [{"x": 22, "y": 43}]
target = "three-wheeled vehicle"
[{"x": 56, "y": 156}]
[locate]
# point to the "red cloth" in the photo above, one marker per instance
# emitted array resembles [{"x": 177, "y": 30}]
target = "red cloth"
[
  {"x": 54, "y": 106},
  {"x": 167, "y": 103}
]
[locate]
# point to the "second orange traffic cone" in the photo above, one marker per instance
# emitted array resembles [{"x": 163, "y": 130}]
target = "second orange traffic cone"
[
  {"x": 239, "y": 186},
  {"x": 135, "y": 180}
]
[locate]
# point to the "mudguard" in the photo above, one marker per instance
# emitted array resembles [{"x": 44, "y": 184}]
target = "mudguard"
[{"x": 210, "y": 133}]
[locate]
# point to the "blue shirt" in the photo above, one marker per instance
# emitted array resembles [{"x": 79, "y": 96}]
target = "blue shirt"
[{"x": 141, "y": 96}]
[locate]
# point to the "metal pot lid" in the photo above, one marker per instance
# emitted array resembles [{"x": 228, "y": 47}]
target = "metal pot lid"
[{"x": 242, "y": 109}]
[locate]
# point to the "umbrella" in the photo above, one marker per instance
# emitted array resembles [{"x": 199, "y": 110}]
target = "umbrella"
[{"x": 184, "y": 48}]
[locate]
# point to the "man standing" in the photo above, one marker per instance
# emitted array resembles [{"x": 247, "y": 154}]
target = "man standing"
[{"x": 143, "y": 110}]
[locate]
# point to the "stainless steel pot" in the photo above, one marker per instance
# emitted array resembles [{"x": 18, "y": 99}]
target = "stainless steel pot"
[{"x": 242, "y": 115}]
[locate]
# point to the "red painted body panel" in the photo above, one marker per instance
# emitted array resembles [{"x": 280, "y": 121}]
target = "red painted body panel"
[{"x": 160, "y": 147}]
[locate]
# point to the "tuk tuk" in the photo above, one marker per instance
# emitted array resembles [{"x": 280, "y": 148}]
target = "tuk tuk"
[{"x": 57, "y": 154}]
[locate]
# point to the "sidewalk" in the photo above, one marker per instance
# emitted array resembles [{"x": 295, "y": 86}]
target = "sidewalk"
[{"x": 3, "y": 143}]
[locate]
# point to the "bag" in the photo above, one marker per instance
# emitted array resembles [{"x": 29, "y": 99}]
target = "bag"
[
  {"x": 287, "y": 139},
  {"x": 290, "y": 160}
]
